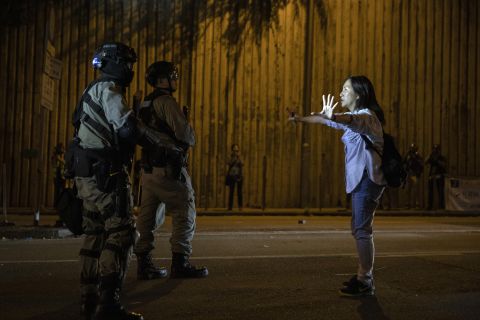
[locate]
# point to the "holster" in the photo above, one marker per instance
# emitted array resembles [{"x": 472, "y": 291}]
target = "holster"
[
  {"x": 76, "y": 163},
  {"x": 172, "y": 161},
  {"x": 175, "y": 162}
]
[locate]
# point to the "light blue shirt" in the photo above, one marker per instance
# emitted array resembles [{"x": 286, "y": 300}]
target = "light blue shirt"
[{"x": 357, "y": 157}]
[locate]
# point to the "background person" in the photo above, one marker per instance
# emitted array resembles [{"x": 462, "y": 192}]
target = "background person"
[
  {"x": 413, "y": 162},
  {"x": 235, "y": 177},
  {"x": 436, "y": 176}
]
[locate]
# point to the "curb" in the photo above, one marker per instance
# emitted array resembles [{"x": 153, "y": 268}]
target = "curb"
[{"x": 25, "y": 232}]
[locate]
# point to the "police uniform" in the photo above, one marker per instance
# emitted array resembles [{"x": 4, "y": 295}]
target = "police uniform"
[
  {"x": 102, "y": 182},
  {"x": 108, "y": 236},
  {"x": 165, "y": 180},
  {"x": 160, "y": 186}
]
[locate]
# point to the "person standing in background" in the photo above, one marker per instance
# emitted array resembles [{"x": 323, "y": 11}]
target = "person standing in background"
[
  {"x": 235, "y": 177},
  {"x": 413, "y": 162},
  {"x": 436, "y": 176}
]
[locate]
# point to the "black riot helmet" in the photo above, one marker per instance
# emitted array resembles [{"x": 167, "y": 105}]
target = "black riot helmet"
[
  {"x": 159, "y": 70},
  {"x": 115, "y": 60}
]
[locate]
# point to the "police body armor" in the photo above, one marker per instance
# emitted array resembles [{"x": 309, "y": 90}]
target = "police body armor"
[
  {"x": 155, "y": 156},
  {"x": 106, "y": 164}
]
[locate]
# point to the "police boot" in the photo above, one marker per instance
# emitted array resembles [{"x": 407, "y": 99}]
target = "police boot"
[
  {"x": 181, "y": 268},
  {"x": 109, "y": 306},
  {"x": 89, "y": 304},
  {"x": 146, "y": 270}
]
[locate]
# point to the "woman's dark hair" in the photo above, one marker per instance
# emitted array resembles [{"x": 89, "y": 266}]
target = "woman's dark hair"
[{"x": 364, "y": 88}]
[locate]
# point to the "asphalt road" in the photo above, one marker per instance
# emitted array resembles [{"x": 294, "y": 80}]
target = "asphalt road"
[{"x": 269, "y": 268}]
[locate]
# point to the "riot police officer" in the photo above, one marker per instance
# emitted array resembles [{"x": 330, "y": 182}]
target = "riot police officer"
[
  {"x": 165, "y": 179},
  {"x": 105, "y": 135}
]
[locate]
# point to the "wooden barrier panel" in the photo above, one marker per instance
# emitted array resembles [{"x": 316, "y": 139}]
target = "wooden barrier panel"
[{"x": 241, "y": 65}]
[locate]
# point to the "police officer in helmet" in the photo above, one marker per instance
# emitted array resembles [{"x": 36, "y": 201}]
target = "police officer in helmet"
[
  {"x": 106, "y": 132},
  {"x": 165, "y": 180}
]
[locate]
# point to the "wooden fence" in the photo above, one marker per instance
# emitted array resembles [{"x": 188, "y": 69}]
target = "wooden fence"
[{"x": 242, "y": 63}]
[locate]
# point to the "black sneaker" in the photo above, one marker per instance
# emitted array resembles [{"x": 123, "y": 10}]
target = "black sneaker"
[
  {"x": 351, "y": 281},
  {"x": 357, "y": 289}
]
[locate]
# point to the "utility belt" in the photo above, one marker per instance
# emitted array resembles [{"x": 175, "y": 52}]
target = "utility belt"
[
  {"x": 160, "y": 157},
  {"x": 105, "y": 164}
]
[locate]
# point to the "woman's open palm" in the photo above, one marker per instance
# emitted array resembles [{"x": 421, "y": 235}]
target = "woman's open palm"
[{"x": 328, "y": 106}]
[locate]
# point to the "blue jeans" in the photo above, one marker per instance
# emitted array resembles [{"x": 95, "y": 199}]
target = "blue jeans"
[{"x": 365, "y": 198}]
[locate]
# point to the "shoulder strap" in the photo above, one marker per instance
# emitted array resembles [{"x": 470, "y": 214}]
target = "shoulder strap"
[
  {"x": 81, "y": 116},
  {"x": 370, "y": 144}
]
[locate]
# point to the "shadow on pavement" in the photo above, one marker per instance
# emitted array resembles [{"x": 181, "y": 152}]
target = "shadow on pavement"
[
  {"x": 369, "y": 308},
  {"x": 131, "y": 300},
  {"x": 163, "y": 288},
  {"x": 70, "y": 311}
]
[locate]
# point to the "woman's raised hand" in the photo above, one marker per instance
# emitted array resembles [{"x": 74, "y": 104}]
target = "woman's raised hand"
[{"x": 328, "y": 106}]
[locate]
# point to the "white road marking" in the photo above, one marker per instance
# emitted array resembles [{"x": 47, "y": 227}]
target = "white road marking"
[
  {"x": 315, "y": 232},
  {"x": 285, "y": 256}
]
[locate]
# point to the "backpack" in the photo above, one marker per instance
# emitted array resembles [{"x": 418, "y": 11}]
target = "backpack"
[{"x": 392, "y": 162}]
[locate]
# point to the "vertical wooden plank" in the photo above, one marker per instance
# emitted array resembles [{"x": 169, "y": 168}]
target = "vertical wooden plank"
[
  {"x": 385, "y": 97},
  {"x": 278, "y": 113},
  {"x": 396, "y": 37},
  {"x": 291, "y": 129},
  {"x": 438, "y": 70},
  {"x": 354, "y": 37},
  {"x": 258, "y": 153},
  {"x": 59, "y": 112},
  {"x": 208, "y": 116},
  {"x": 222, "y": 100},
  {"x": 477, "y": 95},
  {"x": 429, "y": 109},
  {"x": 403, "y": 68},
  {"x": 10, "y": 116},
  {"x": 65, "y": 93},
  {"x": 4, "y": 56},
  {"x": 38, "y": 123},
  {"x": 378, "y": 56},
  {"x": 445, "y": 89},
  {"x": 412, "y": 74},
  {"x": 476, "y": 69},
  {"x": 318, "y": 70},
  {"x": 19, "y": 102},
  {"x": 4, "y": 36},
  {"x": 219, "y": 167},
  {"x": 463, "y": 148},
  {"x": 341, "y": 72},
  {"x": 452, "y": 152},
  {"x": 199, "y": 106},
  {"x": 331, "y": 80},
  {"x": 420, "y": 67}
]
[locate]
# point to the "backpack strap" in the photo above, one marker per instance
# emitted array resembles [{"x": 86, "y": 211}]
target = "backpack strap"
[{"x": 370, "y": 144}]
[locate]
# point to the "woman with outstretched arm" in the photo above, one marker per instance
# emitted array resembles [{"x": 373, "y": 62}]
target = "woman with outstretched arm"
[{"x": 363, "y": 177}]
